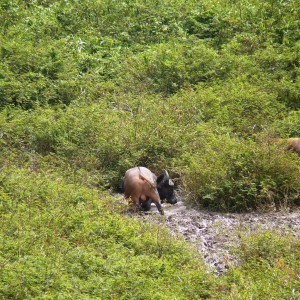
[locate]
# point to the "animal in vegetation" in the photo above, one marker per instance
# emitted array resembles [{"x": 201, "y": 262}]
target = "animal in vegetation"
[
  {"x": 143, "y": 187},
  {"x": 292, "y": 144}
]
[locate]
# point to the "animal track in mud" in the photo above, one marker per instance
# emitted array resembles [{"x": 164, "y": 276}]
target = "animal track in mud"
[{"x": 213, "y": 234}]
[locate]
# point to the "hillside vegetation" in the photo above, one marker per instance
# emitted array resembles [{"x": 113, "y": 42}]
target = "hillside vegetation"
[{"x": 91, "y": 88}]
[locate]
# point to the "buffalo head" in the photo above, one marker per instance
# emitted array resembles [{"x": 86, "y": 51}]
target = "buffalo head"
[{"x": 165, "y": 188}]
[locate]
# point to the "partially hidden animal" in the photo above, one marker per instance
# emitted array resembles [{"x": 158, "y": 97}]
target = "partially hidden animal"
[
  {"x": 291, "y": 144},
  {"x": 144, "y": 187},
  {"x": 294, "y": 145}
]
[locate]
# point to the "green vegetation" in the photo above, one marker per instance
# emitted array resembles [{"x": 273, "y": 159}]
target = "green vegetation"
[
  {"x": 198, "y": 87},
  {"x": 91, "y": 88},
  {"x": 64, "y": 241},
  {"x": 269, "y": 269}
]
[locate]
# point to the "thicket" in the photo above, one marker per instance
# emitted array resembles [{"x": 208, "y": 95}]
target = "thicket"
[
  {"x": 268, "y": 268},
  {"x": 89, "y": 89},
  {"x": 65, "y": 241},
  {"x": 195, "y": 87}
]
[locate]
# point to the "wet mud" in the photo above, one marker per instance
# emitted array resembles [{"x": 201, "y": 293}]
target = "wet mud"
[{"x": 214, "y": 234}]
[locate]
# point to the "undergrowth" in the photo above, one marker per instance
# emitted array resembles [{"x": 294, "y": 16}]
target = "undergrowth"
[
  {"x": 61, "y": 240},
  {"x": 268, "y": 268},
  {"x": 89, "y": 89}
]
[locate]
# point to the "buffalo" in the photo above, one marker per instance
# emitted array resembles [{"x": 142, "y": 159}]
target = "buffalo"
[
  {"x": 144, "y": 187},
  {"x": 292, "y": 144}
]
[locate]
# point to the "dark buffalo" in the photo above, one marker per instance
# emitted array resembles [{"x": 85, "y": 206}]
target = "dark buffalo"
[{"x": 143, "y": 187}]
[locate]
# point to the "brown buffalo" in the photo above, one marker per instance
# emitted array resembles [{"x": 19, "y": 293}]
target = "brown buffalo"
[
  {"x": 291, "y": 144},
  {"x": 143, "y": 187},
  {"x": 294, "y": 145}
]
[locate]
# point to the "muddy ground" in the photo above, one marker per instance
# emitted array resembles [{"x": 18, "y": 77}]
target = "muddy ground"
[{"x": 213, "y": 234}]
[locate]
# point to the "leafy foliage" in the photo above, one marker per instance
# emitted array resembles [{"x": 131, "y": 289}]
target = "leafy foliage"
[
  {"x": 63, "y": 240},
  {"x": 138, "y": 83},
  {"x": 269, "y": 268},
  {"x": 89, "y": 89}
]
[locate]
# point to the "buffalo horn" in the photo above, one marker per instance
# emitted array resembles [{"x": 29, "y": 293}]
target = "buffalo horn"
[{"x": 166, "y": 175}]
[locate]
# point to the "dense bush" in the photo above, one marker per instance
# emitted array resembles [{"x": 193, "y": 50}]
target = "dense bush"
[
  {"x": 166, "y": 68},
  {"x": 289, "y": 126},
  {"x": 89, "y": 89},
  {"x": 222, "y": 163},
  {"x": 64, "y": 240},
  {"x": 268, "y": 268},
  {"x": 234, "y": 174}
]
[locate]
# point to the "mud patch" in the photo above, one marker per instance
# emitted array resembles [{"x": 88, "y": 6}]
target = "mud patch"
[{"x": 213, "y": 234}]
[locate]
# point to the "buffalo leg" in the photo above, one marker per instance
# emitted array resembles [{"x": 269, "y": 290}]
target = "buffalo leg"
[
  {"x": 155, "y": 198},
  {"x": 134, "y": 203},
  {"x": 159, "y": 207},
  {"x": 146, "y": 206}
]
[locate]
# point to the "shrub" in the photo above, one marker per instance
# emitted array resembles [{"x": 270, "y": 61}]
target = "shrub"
[
  {"x": 167, "y": 67},
  {"x": 288, "y": 126},
  {"x": 65, "y": 240},
  {"x": 268, "y": 268},
  {"x": 238, "y": 175}
]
